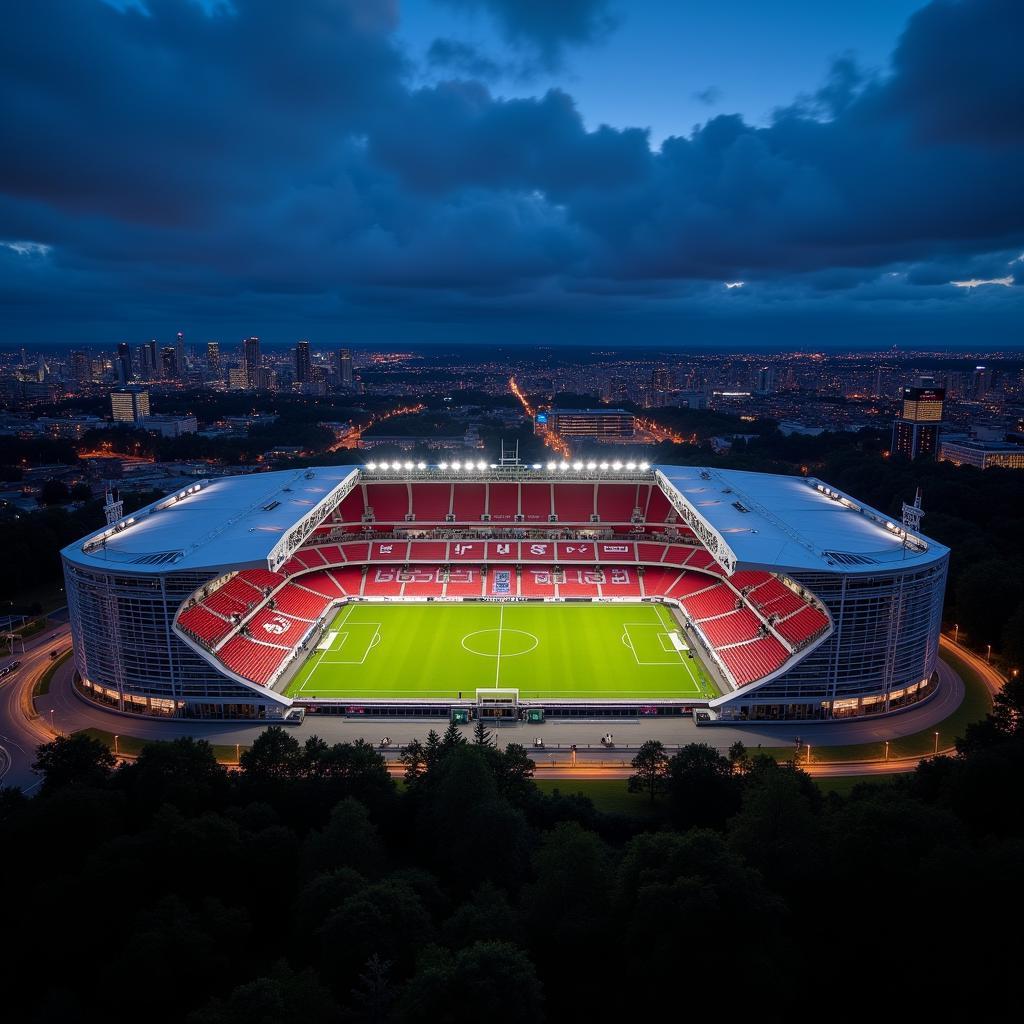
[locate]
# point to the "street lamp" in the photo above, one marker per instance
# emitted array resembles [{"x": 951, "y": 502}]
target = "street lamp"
[
  {"x": 887, "y": 750},
  {"x": 936, "y": 743},
  {"x": 808, "y": 753},
  {"x": 988, "y": 655},
  {"x": 116, "y": 738},
  {"x": 52, "y": 727},
  {"x": 956, "y": 632}
]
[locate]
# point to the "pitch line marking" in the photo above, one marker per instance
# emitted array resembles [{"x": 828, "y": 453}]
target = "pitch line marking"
[{"x": 312, "y": 672}]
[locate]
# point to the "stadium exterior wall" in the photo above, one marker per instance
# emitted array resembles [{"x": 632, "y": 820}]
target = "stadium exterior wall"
[{"x": 128, "y": 657}]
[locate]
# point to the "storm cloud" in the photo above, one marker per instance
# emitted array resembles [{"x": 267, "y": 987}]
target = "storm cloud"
[{"x": 232, "y": 167}]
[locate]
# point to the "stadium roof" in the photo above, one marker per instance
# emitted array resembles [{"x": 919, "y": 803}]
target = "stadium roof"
[
  {"x": 749, "y": 520},
  {"x": 231, "y": 521},
  {"x": 794, "y": 523}
]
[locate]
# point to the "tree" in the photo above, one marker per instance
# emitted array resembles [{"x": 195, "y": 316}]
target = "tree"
[
  {"x": 53, "y": 492},
  {"x": 349, "y": 839},
  {"x": 513, "y": 772},
  {"x": 452, "y": 738},
  {"x": 285, "y": 997},
  {"x": 273, "y": 755},
  {"x": 183, "y": 772},
  {"x": 702, "y": 788},
  {"x": 738, "y": 757},
  {"x": 432, "y": 750},
  {"x": 414, "y": 758},
  {"x": 650, "y": 769},
  {"x": 73, "y": 760},
  {"x": 481, "y": 734}
]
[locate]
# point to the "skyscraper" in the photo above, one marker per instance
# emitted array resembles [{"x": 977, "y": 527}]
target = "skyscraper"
[
  {"x": 168, "y": 363},
  {"x": 766, "y": 380},
  {"x": 81, "y": 370},
  {"x": 345, "y": 367},
  {"x": 213, "y": 356},
  {"x": 253, "y": 362},
  {"x": 302, "y": 362},
  {"x": 915, "y": 434},
  {"x": 123, "y": 363},
  {"x": 179, "y": 355}
]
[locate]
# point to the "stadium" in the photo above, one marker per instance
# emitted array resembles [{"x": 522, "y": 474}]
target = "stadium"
[{"x": 510, "y": 591}]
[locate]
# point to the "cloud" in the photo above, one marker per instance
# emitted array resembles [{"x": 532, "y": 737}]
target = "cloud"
[
  {"x": 709, "y": 95},
  {"x": 547, "y": 27},
  {"x": 976, "y": 282},
  {"x": 245, "y": 165}
]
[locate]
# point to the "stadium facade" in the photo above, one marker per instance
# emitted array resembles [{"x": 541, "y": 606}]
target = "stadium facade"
[{"x": 802, "y": 602}]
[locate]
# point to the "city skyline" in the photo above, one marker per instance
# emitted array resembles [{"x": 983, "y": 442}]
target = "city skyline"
[{"x": 466, "y": 172}]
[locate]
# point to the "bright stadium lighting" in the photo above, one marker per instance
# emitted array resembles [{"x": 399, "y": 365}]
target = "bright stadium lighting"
[
  {"x": 563, "y": 466},
  {"x": 630, "y": 465},
  {"x": 396, "y": 465},
  {"x": 551, "y": 467},
  {"x": 421, "y": 465},
  {"x": 645, "y": 465},
  {"x": 591, "y": 466},
  {"x": 456, "y": 465},
  {"x": 442, "y": 465},
  {"x": 578, "y": 466},
  {"x": 616, "y": 465},
  {"x": 408, "y": 465},
  {"x": 481, "y": 466},
  {"x": 537, "y": 465},
  {"x": 371, "y": 466},
  {"x": 604, "y": 465}
]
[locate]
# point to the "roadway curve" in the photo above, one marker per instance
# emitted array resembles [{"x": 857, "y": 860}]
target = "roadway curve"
[{"x": 22, "y": 728}]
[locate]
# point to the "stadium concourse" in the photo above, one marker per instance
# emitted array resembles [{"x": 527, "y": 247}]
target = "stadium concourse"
[{"x": 576, "y": 590}]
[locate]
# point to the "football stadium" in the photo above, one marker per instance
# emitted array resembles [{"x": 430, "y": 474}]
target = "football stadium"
[{"x": 510, "y": 591}]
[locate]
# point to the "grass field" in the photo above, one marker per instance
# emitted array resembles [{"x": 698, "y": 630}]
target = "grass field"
[{"x": 547, "y": 652}]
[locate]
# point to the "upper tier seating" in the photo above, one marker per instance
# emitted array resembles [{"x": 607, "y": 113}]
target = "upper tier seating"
[
  {"x": 536, "y": 502},
  {"x": 431, "y": 503},
  {"x": 390, "y": 502},
  {"x": 468, "y": 504},
  {"x": 616, "y": 502},
  {"x": 326, "y": 582},
  {"x": 658, "y": 507},
  {"x": 503, "y": 502},
  {"x": 574, "y": 503},
  {"x": 657, "y": 581},
  {"x": 351, "y": 508}
]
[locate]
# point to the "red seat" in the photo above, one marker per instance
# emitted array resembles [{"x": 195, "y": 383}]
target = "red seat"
[
  {"x": 428, "y": 551},
  {"x": 620, "y": 581},
  {"x": 537, "y": 581},
  {"x": 431, "y": 503},
  {"x": 574, "y": 503},
  {"x": 464, "y": 581},
  {"x": 390, "y": 502},
  {"x": 293, "y": 599},
  {"x": 503, "y": 502},
  {"x": 257, "y": 662},
  {"x": 469, "y": 502},
  {"x": 616, "y": 502},
  {"x": 580, "y": 583},
  {"x": 536, "y": 502},
  {"x": 204, "y": 625}
]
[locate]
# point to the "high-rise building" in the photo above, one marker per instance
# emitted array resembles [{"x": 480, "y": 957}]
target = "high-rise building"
[
  {"x": 876, "y": 388},
  {"x": 81, "y": 369},
  {"x": 915, "y": 435},
  {"x": 179, "y": 355},
  {"x": 253, "y": 362},
  {"x": 345, "y": 367},
  {"x": 302, "y": 364},
  {"x": 213, "y": 356},
  {"x": 168, "y": 363},
  {"x": 123, "y": 363},
  {"x": 129, "y": 406},
  {"x": 765, "y": 383},
  {"x": 661, "y": 379},
  {"x": 148, "y": 365}
]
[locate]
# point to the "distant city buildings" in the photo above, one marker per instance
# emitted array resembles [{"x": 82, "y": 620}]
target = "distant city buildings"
[
  {"x": 302, "y": 363},
  {"x": 129, "y": 406},
  {"x": 213, "y": 358},
  {"x": 598, "y": 424},
  {"x": 982, "y": 454},
  {"x": 915, "y": 433}
]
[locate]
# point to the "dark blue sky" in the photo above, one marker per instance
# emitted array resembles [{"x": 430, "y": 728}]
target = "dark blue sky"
[{"x": 784, "y": 174}]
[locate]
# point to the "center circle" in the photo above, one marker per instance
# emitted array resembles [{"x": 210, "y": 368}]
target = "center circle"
[{"x": 513, "y": 642}]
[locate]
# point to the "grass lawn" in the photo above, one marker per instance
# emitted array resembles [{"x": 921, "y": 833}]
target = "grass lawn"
[
  {"x": 131, "y": 745},
  {"x": 608, "y": 795},
  {"x": 547, "y": 652},
  {"x": 975, "y": 706},
  {"x": 43, "y": 685}
]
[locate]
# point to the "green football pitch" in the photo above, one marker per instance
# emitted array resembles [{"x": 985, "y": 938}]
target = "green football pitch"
[{"x": 546, "y": 651}]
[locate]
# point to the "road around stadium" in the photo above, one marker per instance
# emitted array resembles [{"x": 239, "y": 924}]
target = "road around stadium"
[{"x": 25, "y": 723}]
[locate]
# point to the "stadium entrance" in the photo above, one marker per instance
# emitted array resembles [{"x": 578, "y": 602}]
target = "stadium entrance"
[{"x": 498, "y": 704}]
